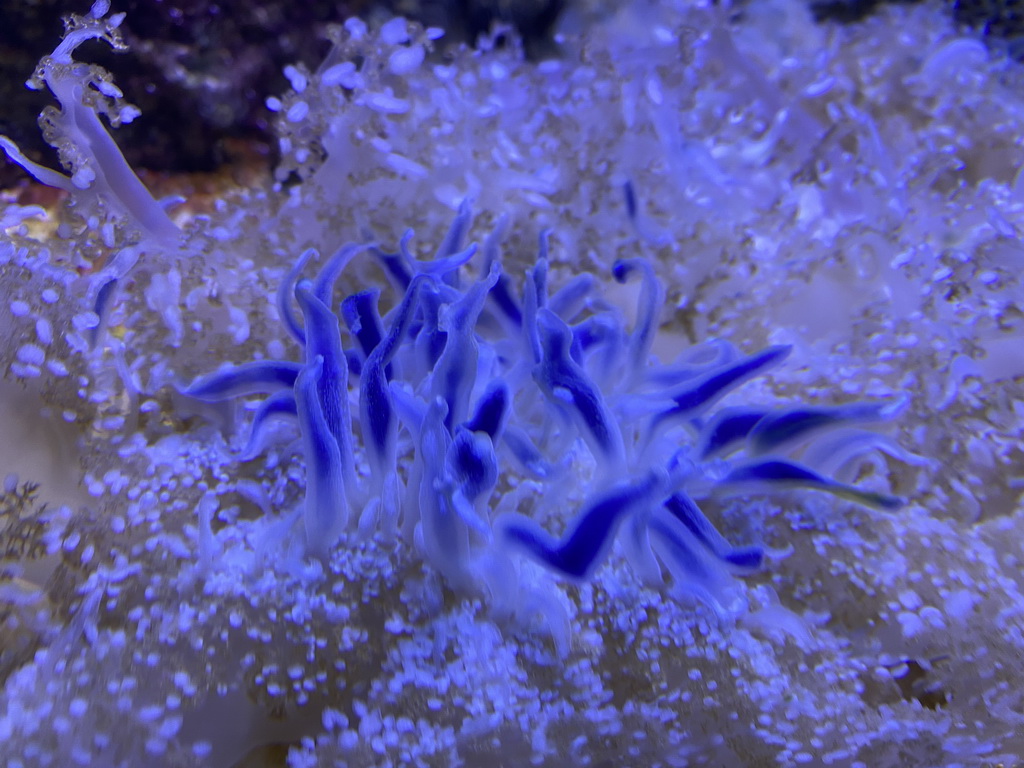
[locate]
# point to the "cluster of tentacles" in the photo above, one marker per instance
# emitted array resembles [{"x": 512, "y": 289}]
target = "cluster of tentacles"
[{"x": 465, "y": 387}]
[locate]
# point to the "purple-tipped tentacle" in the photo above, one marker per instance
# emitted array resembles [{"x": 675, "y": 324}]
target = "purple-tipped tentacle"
[
  {"x": 775, "y": 473},
  {"x": 727, "y": 430},
  {"x": 430, "y": 339},
  {"x": 455, "y": 372},
  {"x": 526, "y": 454},
  {"x": 583, "y": 549},
  {"x": 686, "y": 511},
  {"x": 278, "y": 404},
  {"x": 449, "y": 256},
  {"x": 259, "y": 377},
  {"x": 598, "y": 344},
  {"x": 396, "y": 265},
  {"x": 104, "y": 301},
  {"x": 693, "y": 572},
  {"x": 359, "y": 311},
  {"x": 781, "y": 428},
  {"x": 456, "y": 235},
  {"x": 569, "y": 300},
  {"x": 698, "y": 395},
  {"x": 447, "y": 268},
  {"x": 457, "y": 230},
  {"x": 284, "y": 296},
  {"x": 649, "y": 302},
  {"x": 329, "y": 273},
  {"x": 326, "y": 511},
  {"x": 693, "y": 363},
  {"x": 473, "y": 463},
  {"x": 492, "y": 410},
  {"x": 531, "y": 303},
  {"x": 566, "y": 384},
  {"x": 445, "y": 534},
  {"x": 375, "y": 407},
  {"x": 323, "y": 341},
  {"x": 629, "y": 196},
  {"x": 354, "y": 360},
  {"x": 543, "y": 246},
  {"x": 539, "y": 274},
  {"x": 501, "y": 293}
]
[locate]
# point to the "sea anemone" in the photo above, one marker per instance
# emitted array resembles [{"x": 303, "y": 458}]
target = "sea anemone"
[{"x": 471, "y": 387}]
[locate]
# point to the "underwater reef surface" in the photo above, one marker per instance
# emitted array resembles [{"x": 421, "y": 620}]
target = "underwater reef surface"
[{"x": 659, "y": 404}]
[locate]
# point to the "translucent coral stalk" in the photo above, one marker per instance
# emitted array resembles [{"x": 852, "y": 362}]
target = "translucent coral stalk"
[
  {"x": 567, "y": 386},
  {"x": 323, "y": 342},
  {"x": 244, "y": 379},
  {"x": 326, "y": 509},
  {"x": 581, "y": 550},
  {"x": 455, "y": 372},
  {"x": 99, "y": 171}
]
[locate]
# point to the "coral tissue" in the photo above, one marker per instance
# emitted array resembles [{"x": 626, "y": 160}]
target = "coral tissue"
[{"x": 655, "y": 404}]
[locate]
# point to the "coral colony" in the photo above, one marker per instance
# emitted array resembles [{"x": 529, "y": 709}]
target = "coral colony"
[{"x": 658, "y": 404}]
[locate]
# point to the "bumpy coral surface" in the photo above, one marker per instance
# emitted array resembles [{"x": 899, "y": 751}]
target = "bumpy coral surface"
[{"x": 685, "y": 430}]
